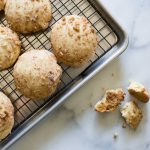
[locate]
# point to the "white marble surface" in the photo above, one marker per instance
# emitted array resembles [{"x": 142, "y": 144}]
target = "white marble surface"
[{"x": 75, "y": 125}]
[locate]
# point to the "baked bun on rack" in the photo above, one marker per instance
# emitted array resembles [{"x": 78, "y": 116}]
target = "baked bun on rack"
[{"x": 74, "y": 40}]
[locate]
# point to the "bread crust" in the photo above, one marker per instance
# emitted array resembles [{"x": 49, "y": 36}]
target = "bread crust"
[
  {"x": 138, "y": 91},
  {"x": 2, "y": 4}
]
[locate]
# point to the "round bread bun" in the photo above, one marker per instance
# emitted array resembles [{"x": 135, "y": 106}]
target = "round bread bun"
[
  {"x": 10, "y": 46},
  {"x": 6, "y": 116},
  {"x": 74, "y": 40},
  {"x": 37, "y": 74},
  {"x": 2, "y": 4},
  {"x": 28, "y": 16}
]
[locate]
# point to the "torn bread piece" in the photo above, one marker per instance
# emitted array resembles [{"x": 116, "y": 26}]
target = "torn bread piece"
[
  {"x": 138, "y": 91},
  {"x": 110, "y": 101},
  {"x": 132, "y": 114}
]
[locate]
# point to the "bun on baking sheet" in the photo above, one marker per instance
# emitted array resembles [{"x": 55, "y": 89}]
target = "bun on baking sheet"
[
  {"x": 10, "y": 46},
  {"x": 37, "y": 74},
  {"x": 28, "y": 16},
  {"x": 73, "y": 40},
  {"x": 6, "y": 116}
]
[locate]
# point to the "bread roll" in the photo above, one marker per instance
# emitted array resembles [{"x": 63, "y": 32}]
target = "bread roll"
[
  {"x": 74, "y": 40},
  {"x": 9, "y": 47},
  {"x": 28, "y": 16},
  {"x": 37, "y": 74},
  {"x": 6, "y": 116}
]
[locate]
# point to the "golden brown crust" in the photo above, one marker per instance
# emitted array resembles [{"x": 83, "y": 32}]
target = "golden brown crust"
[
  {"x": 110, "y": 101},
  {"x": 37, "y": 74},
  {"x": 74, "y": 40},
  {"x": 138, "y": 91},
  {"x": 6, "y": 116},
  {"x": 2, "y": 4},
  {"x": 10, "y": 46},
  {"x": 28, "y": 16},
  {"x": 132, "y": 114}
]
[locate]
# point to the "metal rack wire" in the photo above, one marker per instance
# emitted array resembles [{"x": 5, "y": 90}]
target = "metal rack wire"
[{"x": 24, "y": 107}]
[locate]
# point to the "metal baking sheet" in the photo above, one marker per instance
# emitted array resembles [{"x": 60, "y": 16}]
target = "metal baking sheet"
[{"x": 112, "y": 42}]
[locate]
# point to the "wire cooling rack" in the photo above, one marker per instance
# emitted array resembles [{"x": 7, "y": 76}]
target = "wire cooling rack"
[{"x": 24, "y": 107}]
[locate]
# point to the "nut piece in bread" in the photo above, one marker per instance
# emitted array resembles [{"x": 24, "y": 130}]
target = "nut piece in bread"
[
  {"x": 6, "y": 116},
  {"x": 73, "y": 40},
  {"x": 37, "y": 74},
  {"x": 10, "y": 46},
  {"x": 2, "y": 4},
  {"x": 110, "y": 101},
  {"x": 28, "y": 16},
  {"x": 132, "y": 114},
  {"x": 138, "y": 91}
]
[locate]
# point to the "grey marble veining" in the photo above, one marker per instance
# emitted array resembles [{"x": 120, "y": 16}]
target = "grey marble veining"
[{"x": 75, "y": 125}]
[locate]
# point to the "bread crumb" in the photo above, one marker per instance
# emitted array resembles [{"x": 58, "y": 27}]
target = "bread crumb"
[
  {"x": 103, "y": 88},
  {"x": 90, "y": 104},
  {"x": 115, "y": 136},
  {"x": 110, "y": 101},
  {"x": 124, "y": 125},
  {"x": 138, "y": 91},
  {"x": 132, "y": 114}
]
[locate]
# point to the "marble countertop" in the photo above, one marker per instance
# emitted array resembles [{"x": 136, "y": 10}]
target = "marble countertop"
[{"x": 75, "y": 125}]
